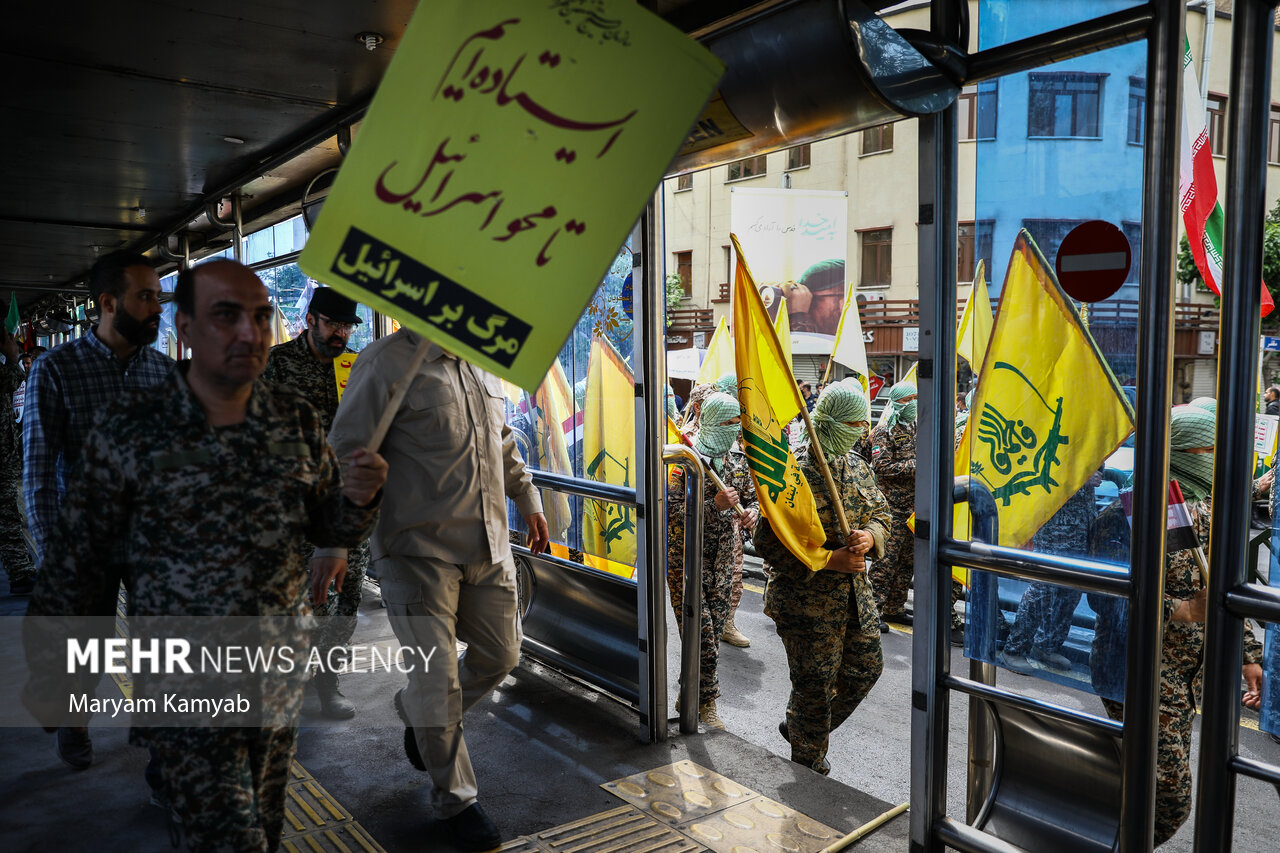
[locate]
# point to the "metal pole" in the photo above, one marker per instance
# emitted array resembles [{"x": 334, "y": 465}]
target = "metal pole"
[
  {"x": 651, "y": 483},
  {"x": 1151, "y": 454},
  {"x": 691, "y": 612},
  {"x": 935, "y": 450},
  {"x": 237, "y": 233},
  {"x": 1245, "y": 213}
]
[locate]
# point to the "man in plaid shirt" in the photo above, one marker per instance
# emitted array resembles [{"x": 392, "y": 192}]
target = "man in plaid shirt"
[{"x": 68, "y": 386}]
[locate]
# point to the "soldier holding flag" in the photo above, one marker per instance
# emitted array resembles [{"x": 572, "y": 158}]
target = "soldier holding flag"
[
  {"x": 720, "y": 425},
  {"x": 1191, "y": 436},
  {"x": 827, "y": 619}
]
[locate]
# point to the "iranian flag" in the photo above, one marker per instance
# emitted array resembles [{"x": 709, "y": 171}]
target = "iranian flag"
[{"x": 1198, "y": 187}]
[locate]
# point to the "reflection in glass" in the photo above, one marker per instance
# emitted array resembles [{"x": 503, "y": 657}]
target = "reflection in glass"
[{"x": 580, "y": 422}]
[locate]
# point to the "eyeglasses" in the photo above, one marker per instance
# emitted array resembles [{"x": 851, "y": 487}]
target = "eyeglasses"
[{"x": 335, "y": 325}]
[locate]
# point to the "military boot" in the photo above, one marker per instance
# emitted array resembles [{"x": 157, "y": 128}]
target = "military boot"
[
  {"x": 733, "y": 636},
  {"x": 333, "y": 704},
  {"x": 708, "y": 717}
]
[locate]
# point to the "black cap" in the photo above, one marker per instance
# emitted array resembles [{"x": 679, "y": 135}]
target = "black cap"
[{"x": 333, "y": 305}]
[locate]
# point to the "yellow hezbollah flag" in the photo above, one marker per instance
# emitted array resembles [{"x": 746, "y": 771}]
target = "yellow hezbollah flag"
[
  {"x": 974, "y": 330},
  {"x": 719, "y": 360},
  {"x": 783, "y": 328},
  {"x": 548, "y": 411},
  {"x": 1047, "y": 410},
  {"x": 342, "y": 370},
  {"x": 770, "y": 400},
  {"x": 609, "y": 529}
]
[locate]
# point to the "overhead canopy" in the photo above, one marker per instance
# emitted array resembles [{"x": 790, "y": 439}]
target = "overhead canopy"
[{"x": 124, "y": 119}]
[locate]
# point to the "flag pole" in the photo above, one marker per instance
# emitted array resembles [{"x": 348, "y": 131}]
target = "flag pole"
[
  {"x": 397, "y": 395},
  {"x": 710, "y": 472}
]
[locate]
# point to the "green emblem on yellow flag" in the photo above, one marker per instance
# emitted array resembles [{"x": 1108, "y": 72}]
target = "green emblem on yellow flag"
[
  {"x": 1047, "y": 410},
  {"x": 770, "y": 400}
]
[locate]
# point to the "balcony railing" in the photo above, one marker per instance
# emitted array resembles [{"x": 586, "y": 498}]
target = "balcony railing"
[{"x": 691, "y": 320}]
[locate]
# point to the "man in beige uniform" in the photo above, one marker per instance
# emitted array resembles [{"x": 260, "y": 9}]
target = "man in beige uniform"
[{"x": 441, "y": 550}]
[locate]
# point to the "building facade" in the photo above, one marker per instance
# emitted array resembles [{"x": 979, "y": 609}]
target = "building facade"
[{"x": 1043, "y": 151}]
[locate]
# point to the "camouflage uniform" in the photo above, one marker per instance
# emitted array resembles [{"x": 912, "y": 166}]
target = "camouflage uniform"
[
  {"x": 718, "y": 532},
  {"x": 827, "y": 620},
  {"x": 227, "y": 514},
  {"x": 893, "y": 459},
  {"x": 13, "y": 546},
  {"x": 1181, "y": 654},
  {"x": 292, "y": 365},
  {"x": 1044, "y": 613}
]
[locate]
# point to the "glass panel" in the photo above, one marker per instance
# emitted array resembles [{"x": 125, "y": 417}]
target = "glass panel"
[
  {"x": 1269, "y": 714},
  {"x": 291, "y": 290},
  {"x": 167, "y": 339},
  {"x": 1004, "y": 21},
  {"x": 580, "y": 422},
  {"x": 1070, "y": 163}
]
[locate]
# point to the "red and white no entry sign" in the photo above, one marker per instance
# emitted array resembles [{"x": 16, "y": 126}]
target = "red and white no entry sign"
[{"x": 1093, "y": 260}]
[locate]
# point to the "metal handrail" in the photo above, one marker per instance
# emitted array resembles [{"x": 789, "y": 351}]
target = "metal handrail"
[
  {"x": 1255, "y": 600},
  {"x": 583, "y": 488},
  {"x": 691, "y": 612},
  {"x": 1085, "y": 575},
  {"x": 1000, "y": 696}
]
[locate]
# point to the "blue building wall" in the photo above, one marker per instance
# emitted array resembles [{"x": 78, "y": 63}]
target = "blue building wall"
[{"x": 1061, "y": 178}]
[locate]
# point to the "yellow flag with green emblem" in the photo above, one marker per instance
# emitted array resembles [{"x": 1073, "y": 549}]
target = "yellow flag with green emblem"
[
  {"x": 609, "y": 529},
  {"x": 770, "y": 400},
  {"x": 1047, "y": 410}
]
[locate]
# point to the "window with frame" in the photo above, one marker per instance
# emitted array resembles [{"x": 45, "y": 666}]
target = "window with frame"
[
  {"x": 798, "y": 157},
  {"x": 752, "y": 167},
  {"x": 684, "y": 269},
  {"x": 684, "y": 182},
  {"x": 973, "y": 244},
  {"x": 1133, "y": 233},
  {"x": 977, "y": 106},
  {"x": 1216, "y": 119},
  {"x": 877, "y": 139},
  {"x": 1048, "y": 233},
  {"x": 1137, "y": 110},
  {"x": 877, "y": 257},
  {"x": 1273, "y": 136},
  {"x": 1064, "y": 104},
  {"x": 966, "y": 245}
]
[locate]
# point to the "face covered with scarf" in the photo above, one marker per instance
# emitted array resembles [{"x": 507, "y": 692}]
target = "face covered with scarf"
[
  {"x": 840, "y": 418},
  {"x": 902, "y": 404},
  {"x": 728, "y": 384},
  {"x": 718, "y": 426},
  {"x": 1191, "y": 451}
]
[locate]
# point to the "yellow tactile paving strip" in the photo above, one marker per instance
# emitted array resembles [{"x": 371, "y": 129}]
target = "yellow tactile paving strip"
[
  {"x": 715, "y": 812},
  {"x": 314, "y": 822},
  {"x": 683, "y": 808}
]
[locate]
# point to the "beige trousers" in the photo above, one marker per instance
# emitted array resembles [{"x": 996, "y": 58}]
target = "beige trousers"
[{"x": 432, "y": 604}]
